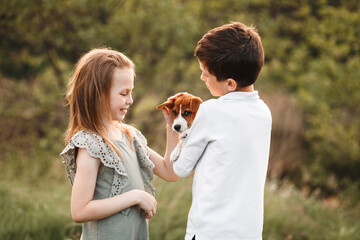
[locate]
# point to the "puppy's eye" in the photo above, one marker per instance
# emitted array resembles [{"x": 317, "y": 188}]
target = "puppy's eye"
[
  {"x": 174, "y": 112},
  {"x": 186, "y": 113}
]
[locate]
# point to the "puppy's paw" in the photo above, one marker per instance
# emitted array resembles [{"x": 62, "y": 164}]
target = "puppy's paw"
[
  {"x": 184, "y": 134},
  {"x": 174, "y": 156},
  {"x": 176, "y": 152}
]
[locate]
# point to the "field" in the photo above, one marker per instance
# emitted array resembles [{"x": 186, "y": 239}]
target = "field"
[
  {"x": 40, "y": 210},
  {"x": 310, "y": 81}
]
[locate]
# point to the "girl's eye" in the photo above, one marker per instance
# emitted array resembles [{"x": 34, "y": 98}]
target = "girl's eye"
[
  {"x": 125, "y": 93},
  {"x": 186, "y": 113}
]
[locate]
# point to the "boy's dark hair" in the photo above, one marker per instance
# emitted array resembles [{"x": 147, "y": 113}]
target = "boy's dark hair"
[{"x": 232, "y": 51}]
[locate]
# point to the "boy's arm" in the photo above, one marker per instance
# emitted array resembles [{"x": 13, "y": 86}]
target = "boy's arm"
[{"x": 194, "y": 144}]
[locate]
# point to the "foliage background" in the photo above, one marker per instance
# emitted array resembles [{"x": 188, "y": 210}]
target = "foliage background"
[{"x": 310, "y": 82}]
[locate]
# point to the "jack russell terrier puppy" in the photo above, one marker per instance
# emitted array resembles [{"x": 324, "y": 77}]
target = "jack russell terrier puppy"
[{"x": 184, "y": 107}]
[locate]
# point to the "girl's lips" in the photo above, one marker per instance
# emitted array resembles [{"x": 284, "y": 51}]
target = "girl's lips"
[{"x": 124, "y": 110}]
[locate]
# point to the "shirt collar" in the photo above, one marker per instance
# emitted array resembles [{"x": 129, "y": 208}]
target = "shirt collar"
[{"x": 237, "y": 95}]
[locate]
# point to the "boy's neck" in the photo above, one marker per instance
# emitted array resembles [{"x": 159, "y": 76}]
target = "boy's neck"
[{"x": 245, "y": 89}]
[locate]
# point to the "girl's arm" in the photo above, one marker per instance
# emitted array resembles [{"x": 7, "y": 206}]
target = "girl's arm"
[
  {"x": 84, "y": 208},
  {"x": 163, "y": 166}
]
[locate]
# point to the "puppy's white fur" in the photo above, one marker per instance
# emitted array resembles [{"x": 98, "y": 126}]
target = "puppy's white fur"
[{"x": 180, "y": 125}]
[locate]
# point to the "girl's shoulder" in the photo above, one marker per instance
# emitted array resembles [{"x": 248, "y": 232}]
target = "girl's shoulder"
[
  {"x": 84, "y": 136},
  {"x": 89, "y": 140},
  {"x": 135, "y": 133}
]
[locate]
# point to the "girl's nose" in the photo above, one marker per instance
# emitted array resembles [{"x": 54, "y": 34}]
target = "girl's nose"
[{"x": 130, "y": 100}]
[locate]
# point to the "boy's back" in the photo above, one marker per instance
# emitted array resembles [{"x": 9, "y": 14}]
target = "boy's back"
[
  {"x": 230, "y": 174},
  {"x": 229, "y": 141}
]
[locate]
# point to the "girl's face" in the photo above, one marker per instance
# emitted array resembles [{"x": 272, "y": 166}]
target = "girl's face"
[
  {"x": 217, "y": 88},
  {"x": 121, "y": 93}
]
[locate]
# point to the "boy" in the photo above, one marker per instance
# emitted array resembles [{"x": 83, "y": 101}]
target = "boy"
[{"x": 229, "y": 141}]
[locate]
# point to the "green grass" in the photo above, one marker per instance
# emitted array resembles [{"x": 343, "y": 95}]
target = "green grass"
[
  {"x": 174, "y": 200},
  {"x": 41, "y": 210},
  {"x": 289, "y": 215},
  {"x": 33, "y": 212}
]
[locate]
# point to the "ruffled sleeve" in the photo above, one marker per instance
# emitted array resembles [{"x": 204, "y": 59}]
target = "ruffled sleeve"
[{"x": 96, "y": 147}]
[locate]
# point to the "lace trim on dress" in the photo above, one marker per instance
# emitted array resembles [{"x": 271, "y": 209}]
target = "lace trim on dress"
[
  {"x": 96, "y": 147},
  {"x": 146, "y": 164}
]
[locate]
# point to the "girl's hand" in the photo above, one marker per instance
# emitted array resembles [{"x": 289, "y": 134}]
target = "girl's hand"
[
  {"x": 176, "y": 96},
  {"x": 146, "y": 201},
  {"x": 168, "y": 115}
]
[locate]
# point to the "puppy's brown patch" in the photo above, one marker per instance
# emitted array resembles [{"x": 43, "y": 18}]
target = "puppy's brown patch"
[{"x": 189, "y": 106}]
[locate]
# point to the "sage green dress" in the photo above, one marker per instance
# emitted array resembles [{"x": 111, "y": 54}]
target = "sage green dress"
[{"x": 118, "y": 175}]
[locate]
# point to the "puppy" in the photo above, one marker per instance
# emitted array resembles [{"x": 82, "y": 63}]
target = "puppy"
[{"x": 184, "y": 107}]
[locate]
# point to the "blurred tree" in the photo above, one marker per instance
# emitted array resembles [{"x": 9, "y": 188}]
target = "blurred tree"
[{"x": 312, "y": 53}]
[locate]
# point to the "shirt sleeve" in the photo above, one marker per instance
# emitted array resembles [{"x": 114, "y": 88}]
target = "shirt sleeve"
[{"x": 194, "y": 144}]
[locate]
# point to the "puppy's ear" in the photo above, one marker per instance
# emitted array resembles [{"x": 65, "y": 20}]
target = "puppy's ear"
[
  {"x": 195, "y": 104},
  {"x": 169, "y": 104}
]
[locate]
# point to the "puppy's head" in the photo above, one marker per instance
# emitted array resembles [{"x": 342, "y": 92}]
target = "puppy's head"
[{"x": 183, "y": 107}]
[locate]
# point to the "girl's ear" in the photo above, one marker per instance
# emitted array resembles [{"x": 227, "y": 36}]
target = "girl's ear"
[
  {"x": 169, "y": 104},
  {"x": 232, "y": 85}
]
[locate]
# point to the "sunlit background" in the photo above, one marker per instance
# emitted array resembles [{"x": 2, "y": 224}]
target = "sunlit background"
[{"x": 310, "y": 81}]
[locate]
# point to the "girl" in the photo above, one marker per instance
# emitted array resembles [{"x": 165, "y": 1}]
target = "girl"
[{"x": 108, "y": 162}]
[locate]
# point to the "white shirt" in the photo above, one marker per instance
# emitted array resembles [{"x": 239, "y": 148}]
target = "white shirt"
[{"x": 228, "y": 146}]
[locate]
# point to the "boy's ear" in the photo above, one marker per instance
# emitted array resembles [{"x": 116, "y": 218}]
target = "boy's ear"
[
  {"x": 169, "y": 104},
  {"x": 232, "y": 84},
  {"x": 195, "y": 103}
]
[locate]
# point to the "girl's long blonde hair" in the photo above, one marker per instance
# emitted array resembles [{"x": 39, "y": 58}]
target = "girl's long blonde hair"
[{"x": 88, "y": 92}]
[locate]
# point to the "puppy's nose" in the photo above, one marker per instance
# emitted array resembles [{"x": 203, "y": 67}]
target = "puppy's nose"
[{"x": 177, "y": 127}]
